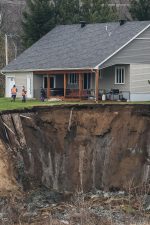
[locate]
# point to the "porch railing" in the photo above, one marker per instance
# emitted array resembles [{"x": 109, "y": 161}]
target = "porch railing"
[
  {"x": 75, "y": 93},
  {"x": 70, "y": 93},
  {"x": 84, "y": 94}
]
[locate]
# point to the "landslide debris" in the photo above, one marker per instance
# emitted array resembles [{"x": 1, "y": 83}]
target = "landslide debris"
[{"x": 43, "y": 206}]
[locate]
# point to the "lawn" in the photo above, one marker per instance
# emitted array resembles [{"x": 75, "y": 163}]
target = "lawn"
[{"x": 6, "y": 104}]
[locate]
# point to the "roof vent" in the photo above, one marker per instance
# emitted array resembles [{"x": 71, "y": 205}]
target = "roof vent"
[
  {"x": 83, "y": 23},
  {"x": 122, "y": 22}
]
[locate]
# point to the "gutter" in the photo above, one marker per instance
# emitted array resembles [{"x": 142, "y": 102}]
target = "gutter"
[{"x": 46, "y": 69}]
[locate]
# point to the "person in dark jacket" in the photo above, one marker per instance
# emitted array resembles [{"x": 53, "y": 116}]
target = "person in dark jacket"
[
  {"x": 24, "y": 92},
  {"x": 42, "y": 92}
]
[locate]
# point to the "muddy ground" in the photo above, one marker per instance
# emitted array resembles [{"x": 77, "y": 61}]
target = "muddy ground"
[{"x": 51, "y": 156}]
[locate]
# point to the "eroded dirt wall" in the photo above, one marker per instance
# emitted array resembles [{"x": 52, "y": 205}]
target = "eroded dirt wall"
[
  {"x": 70, "y": 148},
  {"x": 7, "y": 177}
]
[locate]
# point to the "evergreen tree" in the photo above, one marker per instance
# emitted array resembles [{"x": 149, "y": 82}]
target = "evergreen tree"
[
  {"x": 42, "y": 15},
  {"x": 38, "y": 19},
  {"x": 67, "y": 12},
  {"x": 86, "y": 10},
  {"x": 98, "y": 11},
  {"x": 140, "y": 9}
]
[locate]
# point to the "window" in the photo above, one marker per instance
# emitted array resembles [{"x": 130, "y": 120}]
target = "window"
[
  {"x": 119, "y": 75},
  {"x": 72, "y": 78},
  {"x": 52, "y": 81}
]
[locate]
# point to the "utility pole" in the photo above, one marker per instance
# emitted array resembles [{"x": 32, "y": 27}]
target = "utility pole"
[
  {"x": 6, "y": 46},
  {"x": 6, "y": 49}
]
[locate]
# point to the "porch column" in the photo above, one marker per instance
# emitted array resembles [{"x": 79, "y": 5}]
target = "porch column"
[
  {"x": 96, "y": 84},
  {"x": 65, "y": 84},
  {"x": 48, "y": 87},
  {"x": 80, "y": 85}
]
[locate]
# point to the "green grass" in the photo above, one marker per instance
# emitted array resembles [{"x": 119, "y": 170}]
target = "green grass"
[{"x": 6, "y": 104}]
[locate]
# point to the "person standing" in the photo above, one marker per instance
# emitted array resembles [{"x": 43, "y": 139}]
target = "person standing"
[
  {"x": 13, "y": 93},
  {"x": 42, "y": 92},
  {"x": 24, "y": 92}
]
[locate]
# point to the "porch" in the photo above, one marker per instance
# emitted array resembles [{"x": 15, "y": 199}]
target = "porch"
[
  {"x": 112, "y": 81},
  {"x": 71, "y": 84}
]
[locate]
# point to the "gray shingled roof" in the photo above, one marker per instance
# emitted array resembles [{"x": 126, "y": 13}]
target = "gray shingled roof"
[{"x": 70, "y": 46}]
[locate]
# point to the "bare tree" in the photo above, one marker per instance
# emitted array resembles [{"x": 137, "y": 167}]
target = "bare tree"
[{"x": 10, "y": 24}]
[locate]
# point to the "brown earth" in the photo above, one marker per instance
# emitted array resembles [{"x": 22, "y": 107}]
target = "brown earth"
[
  {"x": 70, "y": 148},
  {"x": 7, "y": 181}
]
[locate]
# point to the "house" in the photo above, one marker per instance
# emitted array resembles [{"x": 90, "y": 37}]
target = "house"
[{"x": 85, "y": 61}]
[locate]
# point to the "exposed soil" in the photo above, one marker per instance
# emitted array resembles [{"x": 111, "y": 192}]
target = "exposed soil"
[
  {"x": 7, "y": 180},
  {"x": 71, "y": 149}
]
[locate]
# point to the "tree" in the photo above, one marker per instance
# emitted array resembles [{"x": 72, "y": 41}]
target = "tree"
[
  {"x": 38, "y": 19},
  {"x": 98, "y": 11},
  {"x": 42, "y": 15},
  {"x": 140, "y": 9},
  {"x": 67, "y": 12}
]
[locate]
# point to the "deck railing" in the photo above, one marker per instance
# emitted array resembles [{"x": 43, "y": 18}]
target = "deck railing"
[
  {"x": 70, "y": 93},
  {"x": 75, "y": 93},
  {"x": 84, "y": 94}
]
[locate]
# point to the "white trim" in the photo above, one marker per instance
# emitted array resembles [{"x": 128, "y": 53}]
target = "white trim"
[
  {"x": 97, "y": 67},
  {"x": 29, "y": 86},
  {"x": 6, "y": 84},
  {"x": 142, "y": 38},
  {"x": 122, "y": 68}
]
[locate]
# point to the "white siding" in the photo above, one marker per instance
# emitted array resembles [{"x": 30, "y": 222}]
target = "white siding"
[
  {"x": 20, "y": 80},
  {"x": 139, "y": 85}
]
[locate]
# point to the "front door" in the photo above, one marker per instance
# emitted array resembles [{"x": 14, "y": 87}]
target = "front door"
[
  {"x": 87, "y": 81},
  {"x": 10, "y": 83}
]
